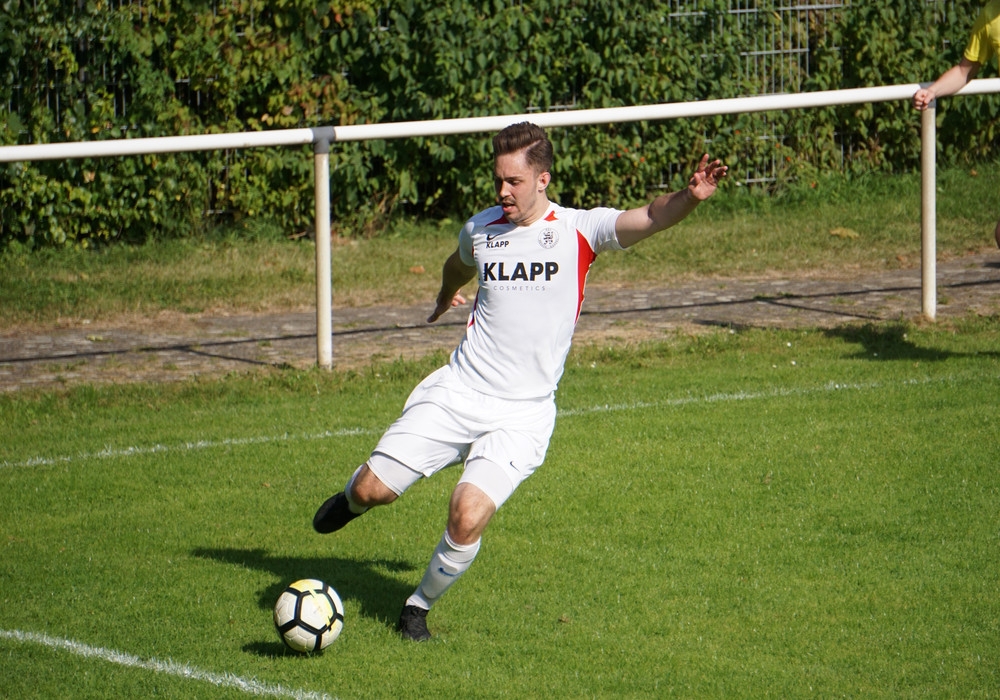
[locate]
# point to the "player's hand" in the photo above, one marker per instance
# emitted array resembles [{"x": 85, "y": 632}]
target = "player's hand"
[
  {"x": 707, "y": 178},
  {"x": 445, "y": 304}
]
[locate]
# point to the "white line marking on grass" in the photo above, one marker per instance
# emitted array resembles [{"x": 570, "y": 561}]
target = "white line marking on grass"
[
  {"x": 133, "y": 451},
  {"x": 109, "y": 452},
  {"x": 172, "y": 668},
  {"x": 717, "y": 398}
]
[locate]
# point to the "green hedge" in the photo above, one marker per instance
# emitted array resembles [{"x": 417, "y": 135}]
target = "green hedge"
[{"x": 91, "y": 70}]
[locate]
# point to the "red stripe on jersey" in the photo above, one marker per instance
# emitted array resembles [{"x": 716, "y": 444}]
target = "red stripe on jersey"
[
  {"x": 472, "y": 314},
  {"x": 498, "y": 222},
  {"x": 585, "y": 258},
  {"x": 551, "y": 216}
]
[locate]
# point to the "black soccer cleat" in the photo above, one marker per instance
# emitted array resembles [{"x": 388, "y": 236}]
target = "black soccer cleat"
[
  {"x": 413, "y": 624},
  {"x": 333, "y": 514}
]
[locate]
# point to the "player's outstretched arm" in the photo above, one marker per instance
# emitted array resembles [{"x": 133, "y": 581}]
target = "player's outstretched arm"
[
  {"x": 454, "y": 275},
  {"x": 666, "y": 210}
]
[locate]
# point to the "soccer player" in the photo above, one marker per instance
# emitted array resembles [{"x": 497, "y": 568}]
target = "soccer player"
[
  {"x": 984, "y": 44},
  {"x": 492, "y": 406}
]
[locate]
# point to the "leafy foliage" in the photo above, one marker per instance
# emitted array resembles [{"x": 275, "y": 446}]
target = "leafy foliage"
[{"x": 95, "y": 69}]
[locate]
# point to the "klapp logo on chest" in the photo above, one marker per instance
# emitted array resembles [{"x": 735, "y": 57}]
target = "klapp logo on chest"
[{"x": 523, "y": 271}]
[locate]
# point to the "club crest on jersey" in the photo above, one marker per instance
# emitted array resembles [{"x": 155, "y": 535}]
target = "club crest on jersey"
[{"x": 548, "y": 238}]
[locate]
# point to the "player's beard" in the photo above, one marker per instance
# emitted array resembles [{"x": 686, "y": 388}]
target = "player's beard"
[
  {"x": 515, "y": 213},
  {"x": 510, "y": 210}
]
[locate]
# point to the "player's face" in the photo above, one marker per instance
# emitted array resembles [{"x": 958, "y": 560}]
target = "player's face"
[{"x": 520, "y": 190}]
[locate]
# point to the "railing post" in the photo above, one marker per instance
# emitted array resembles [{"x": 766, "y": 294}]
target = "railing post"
[
  {"x": 928, "y": 210},
  {"x": 324, "y": 283}
]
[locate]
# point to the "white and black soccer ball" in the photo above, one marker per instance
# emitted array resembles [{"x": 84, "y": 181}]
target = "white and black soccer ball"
[{"x": 308, "y": 615}]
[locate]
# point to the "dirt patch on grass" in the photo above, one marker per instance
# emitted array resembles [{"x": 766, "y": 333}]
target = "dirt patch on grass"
[{"x": 171, "y": 346}]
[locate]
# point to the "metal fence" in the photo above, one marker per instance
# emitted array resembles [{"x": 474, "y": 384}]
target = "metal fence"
[
  {"x": 777, "y": 63},
  {"x": 779, "y": 40},
  {"x": 778, "y": 60}
]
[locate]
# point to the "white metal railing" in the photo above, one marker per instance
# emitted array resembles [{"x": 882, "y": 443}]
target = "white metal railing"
[{"x": 322, "y": 137}]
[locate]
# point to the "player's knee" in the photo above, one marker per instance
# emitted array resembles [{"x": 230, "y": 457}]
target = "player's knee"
[{"x": 469, "y": 513}]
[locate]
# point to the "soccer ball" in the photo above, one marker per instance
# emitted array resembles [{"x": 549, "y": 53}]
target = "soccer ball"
[{"x": 308, "y": 615}]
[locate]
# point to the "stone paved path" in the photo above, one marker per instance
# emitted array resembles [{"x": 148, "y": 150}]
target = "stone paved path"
[{"x": 184, "y": 347}]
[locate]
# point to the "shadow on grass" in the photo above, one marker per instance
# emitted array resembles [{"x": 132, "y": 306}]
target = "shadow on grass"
[
  {"x": 369, "y": 582},
  {"x": 890, "y": 342}
]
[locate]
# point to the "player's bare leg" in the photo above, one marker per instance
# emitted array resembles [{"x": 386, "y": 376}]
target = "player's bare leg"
[
  {"x": 367, "y": 490},
  {"x": 363, "y": 491},
  {"x": 469, "y": 513}
]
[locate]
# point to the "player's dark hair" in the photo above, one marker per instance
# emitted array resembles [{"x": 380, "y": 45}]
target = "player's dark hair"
[{"x": 528, "y": 137}]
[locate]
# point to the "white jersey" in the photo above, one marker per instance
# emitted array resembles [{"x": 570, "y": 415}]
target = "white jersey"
[{"x": 531, "y": 283}]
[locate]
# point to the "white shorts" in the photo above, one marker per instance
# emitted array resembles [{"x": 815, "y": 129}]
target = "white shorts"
[{"x": 445, "y": 422}]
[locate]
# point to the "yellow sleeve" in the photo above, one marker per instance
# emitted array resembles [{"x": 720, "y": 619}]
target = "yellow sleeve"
[{"x": 984, "y": 42}]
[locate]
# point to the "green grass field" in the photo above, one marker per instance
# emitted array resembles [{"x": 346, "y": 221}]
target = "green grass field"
[{"x": 739, "y": 514}]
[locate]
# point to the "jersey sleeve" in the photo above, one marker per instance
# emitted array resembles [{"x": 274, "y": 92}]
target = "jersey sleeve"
[
  {"x": 598, "y": 226},
  {"x": 985, "y": 36},
  {"x": 465, "y": 250}
]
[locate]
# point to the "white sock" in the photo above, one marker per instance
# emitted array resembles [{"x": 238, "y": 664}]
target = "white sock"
[
  {"x": 448, "y": 562},
  {"x": 352, "y": 506}
]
